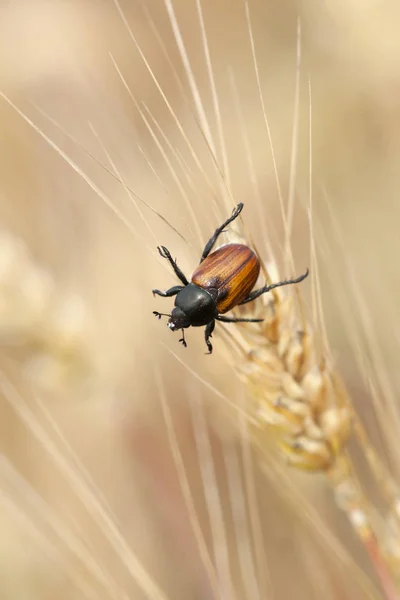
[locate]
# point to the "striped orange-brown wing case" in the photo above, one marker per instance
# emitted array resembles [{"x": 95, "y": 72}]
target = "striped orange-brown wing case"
[{"x": 232, "y": 270}]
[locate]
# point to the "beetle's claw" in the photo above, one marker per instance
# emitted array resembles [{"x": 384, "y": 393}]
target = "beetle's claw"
[
  {"x": 163, "y": 251},
  {"x": 157, "y": 314},
  {"x": 184, "y": 344},
  {"x": 210, "y": 348},
  {"x": 236, "y": 211}
]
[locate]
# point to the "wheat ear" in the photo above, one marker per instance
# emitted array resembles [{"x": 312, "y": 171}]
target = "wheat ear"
[
  {"x": 299, "y": 401},
  {"x": 45, "y": 327}
]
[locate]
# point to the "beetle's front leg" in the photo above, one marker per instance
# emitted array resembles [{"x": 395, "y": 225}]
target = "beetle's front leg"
[
  {"x": 183, "y": 339},
  {"x": 207, "y": 334},
  {"x": 211, "y": 242},
  {"x": 168, "y": 293}
]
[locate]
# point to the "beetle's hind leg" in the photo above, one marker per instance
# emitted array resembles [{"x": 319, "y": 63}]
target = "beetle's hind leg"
[
  {"x": 168, "y": 293},
  {"x": 165, "y": 253},
  {"x": 207, "y": 334},
  {"x": 211, "y": 242},
  {"x": 267, "y": 288}
]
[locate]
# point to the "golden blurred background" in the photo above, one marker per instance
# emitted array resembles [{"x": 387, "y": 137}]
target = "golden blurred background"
[{"x": 92, "y": 504}]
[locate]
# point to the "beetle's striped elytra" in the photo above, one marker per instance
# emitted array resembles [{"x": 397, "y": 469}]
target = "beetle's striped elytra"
[{"x": 231, "y": 271}]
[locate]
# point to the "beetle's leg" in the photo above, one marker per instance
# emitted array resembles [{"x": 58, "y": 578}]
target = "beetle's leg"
[
  {"x": 207, "y": 334},
  {"x": 183, "y": 339},
  {"x": 267, "y": 288},
  {"x": 165, "y": 253},
  {"x": 237, "y": 320},
  {"x": 210, "y": 244},
  {"x": 168, "y": 293}
]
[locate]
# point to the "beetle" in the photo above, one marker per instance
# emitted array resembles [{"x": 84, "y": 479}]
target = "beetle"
[{"x": 224, "y": 279}]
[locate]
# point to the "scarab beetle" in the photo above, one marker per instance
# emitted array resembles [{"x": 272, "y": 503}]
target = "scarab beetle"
[{"x": 223, "y": 280}]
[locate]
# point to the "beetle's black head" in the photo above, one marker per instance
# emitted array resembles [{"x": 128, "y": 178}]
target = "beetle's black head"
[{"x": 178, "y": 320}]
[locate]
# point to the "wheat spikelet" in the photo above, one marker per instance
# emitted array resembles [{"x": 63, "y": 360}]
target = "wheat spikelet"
[{"x": 295, "y": 392}]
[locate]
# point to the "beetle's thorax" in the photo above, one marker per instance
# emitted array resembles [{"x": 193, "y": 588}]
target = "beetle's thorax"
[{"x": 193, "y": 307}]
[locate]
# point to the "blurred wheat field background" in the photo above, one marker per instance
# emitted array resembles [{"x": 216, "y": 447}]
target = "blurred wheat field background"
[{"x": 127, "y": 470}]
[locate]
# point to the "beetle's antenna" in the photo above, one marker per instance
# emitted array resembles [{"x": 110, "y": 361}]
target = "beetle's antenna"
[
  {"x": 159, "y": 315},
  {"x": 183, "y": 339}
]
